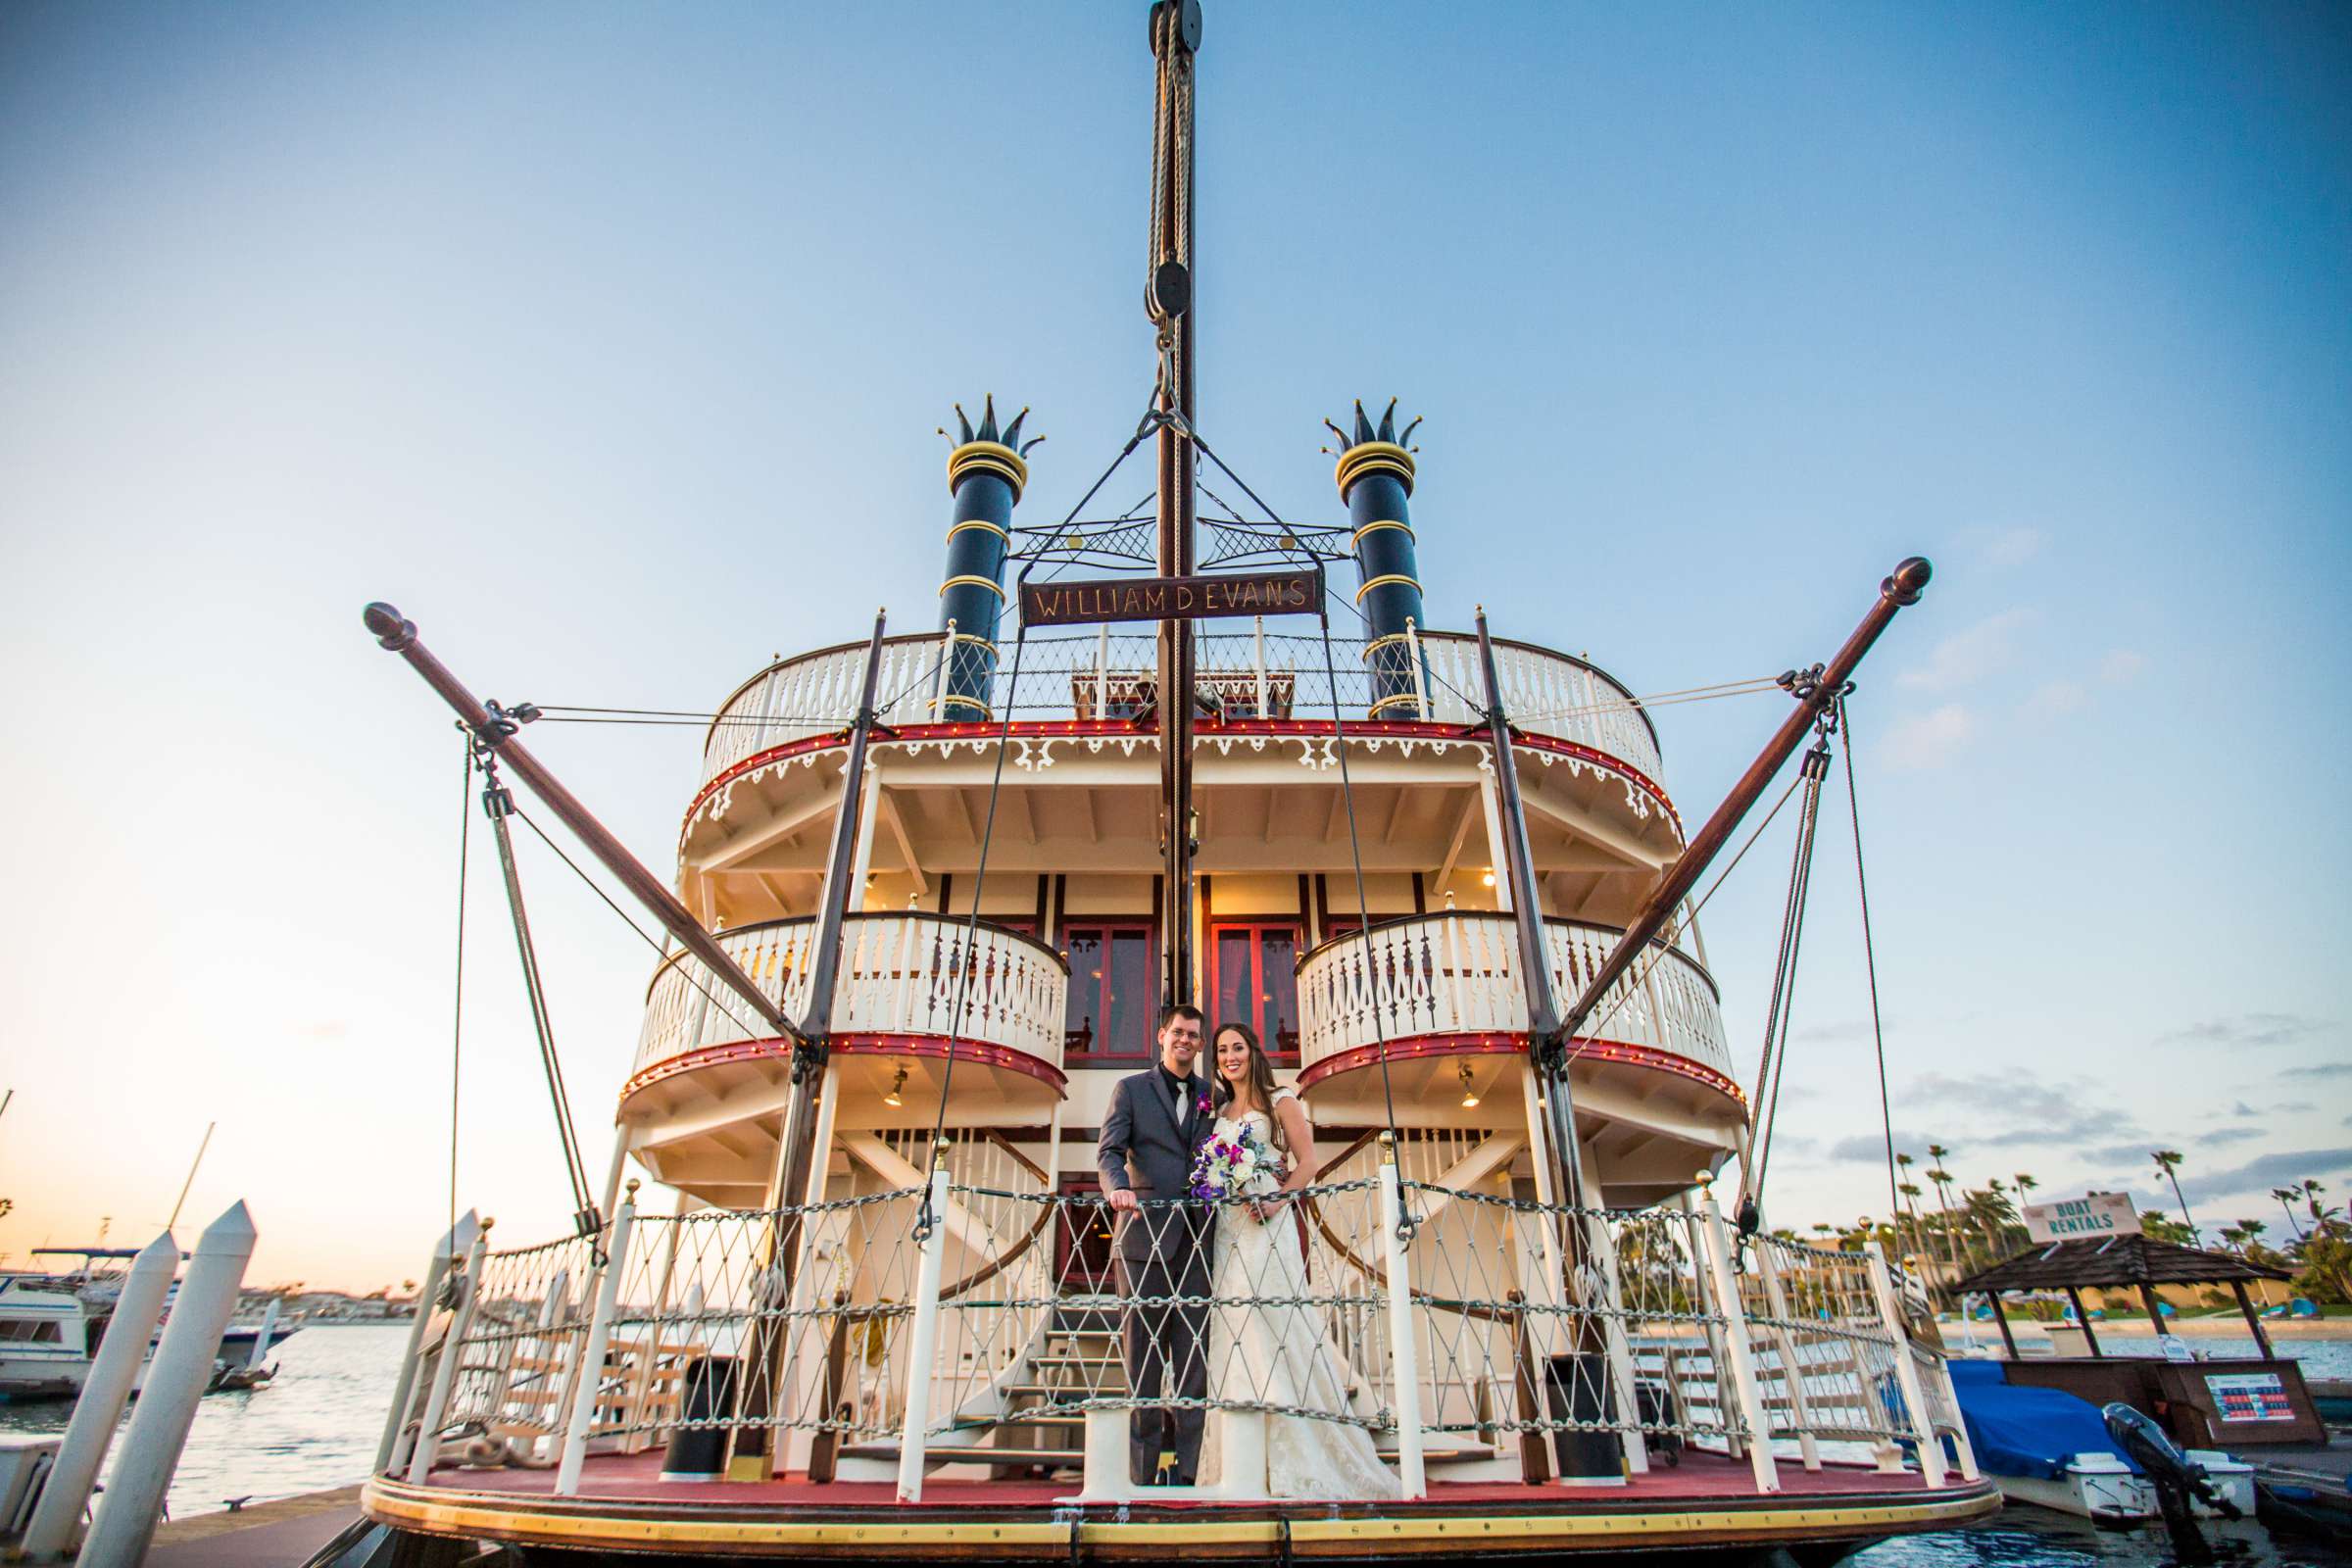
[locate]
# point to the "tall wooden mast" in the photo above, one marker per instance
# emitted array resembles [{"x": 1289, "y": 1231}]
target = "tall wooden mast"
[{"x": 1168, "y": 299}]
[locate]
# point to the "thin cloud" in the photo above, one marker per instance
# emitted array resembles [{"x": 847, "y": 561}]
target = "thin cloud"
[
  {"x": 2024, "y": 1111},
  {"x": 1931, "y": 739},
  {"x": 2325, "y": 1069},
  {"x": 2014, "y": 547},
  {"x": 2229, "y": 1135},
  {"x": 1970, "y": 654},
  {"x": 2055, "y": 700},
  {"x": 2248, "y": 1029},
  {"x": 2122, "y": 665}
]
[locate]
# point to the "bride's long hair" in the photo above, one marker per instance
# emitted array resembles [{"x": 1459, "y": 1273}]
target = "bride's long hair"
[{"x": 1261, "y": 1071}]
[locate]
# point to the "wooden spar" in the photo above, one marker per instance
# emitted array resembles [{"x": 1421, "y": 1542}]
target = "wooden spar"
[
  {"x": 1534, "y": 958},
  {"x": 1903, "y": 587},
  {"x": 1175, "y": 35},
  {"x": 400, "y": 636}
]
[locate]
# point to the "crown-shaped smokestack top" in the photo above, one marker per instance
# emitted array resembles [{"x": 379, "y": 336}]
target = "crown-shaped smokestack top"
[
  {"x": 987, "y": 432},
  {"x": 1365, "y": 430},
  {"x": 989, "y": 450},
  {"x": 1373, "y": 448}
]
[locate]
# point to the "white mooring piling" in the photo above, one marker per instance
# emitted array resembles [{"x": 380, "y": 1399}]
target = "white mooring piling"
[
  {"x": 183, "y": 1365},
  {"x": 58, "y": 1514}
]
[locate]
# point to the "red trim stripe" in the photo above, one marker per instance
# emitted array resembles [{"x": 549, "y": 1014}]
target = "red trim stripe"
[
  {"x": 1357, "y": 1058},
  {"x": 777, "y": 1048}
]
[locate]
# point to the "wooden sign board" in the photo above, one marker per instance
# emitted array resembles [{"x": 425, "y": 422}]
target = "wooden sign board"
[
  {"x": 2077, "y": 1218},
  {"x": 1297, "y": 592}
]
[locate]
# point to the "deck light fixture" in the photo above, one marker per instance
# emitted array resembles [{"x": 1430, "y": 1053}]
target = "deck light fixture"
[
  {"x": 894, "y": 1099},
  {"x": 1469, "y": 1089}
]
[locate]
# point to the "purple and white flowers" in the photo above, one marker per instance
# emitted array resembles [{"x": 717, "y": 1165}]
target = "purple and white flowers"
[{"x": 1238, "y": 1166}]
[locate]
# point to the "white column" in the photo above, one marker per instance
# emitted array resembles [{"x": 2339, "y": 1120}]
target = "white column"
[
  {"x": 426, "y": 1445},
  {"x": 100, "y": 1408},
  {"x": 1906, "y": 1373},
  {"x": 614, "y": 1170},
  {"x": 862, "y": 850},
  {"x": 947, "y": 665},
  {"x": 1404, "y": 1349},
  {"x": 1412, "y": 651},
  {"x": 1260, "y": 644},
  {"x": 923, "y": 1338},
  {"x": 1491, "y": 801},
  {"x": 183, "y": 1365},
  {"x": 588, "y": 1378},
  {"x": 457, "y": 1240},
  {"x": 1718, "y": 1241}
]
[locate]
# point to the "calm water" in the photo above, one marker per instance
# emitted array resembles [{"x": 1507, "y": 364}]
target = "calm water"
[{"x": 317, "y": 1427}]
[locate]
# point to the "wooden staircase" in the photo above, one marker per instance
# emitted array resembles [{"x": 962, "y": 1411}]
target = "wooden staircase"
[{"x": 1042, "y": 1430}]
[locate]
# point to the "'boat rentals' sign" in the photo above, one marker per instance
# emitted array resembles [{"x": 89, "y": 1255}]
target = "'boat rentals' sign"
[
  {"x": 2078, "y": 1218},
  {"x": 1264, "y": 593}
]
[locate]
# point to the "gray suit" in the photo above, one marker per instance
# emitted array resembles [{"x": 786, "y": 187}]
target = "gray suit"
[{"x": 1162, "y": 1250}]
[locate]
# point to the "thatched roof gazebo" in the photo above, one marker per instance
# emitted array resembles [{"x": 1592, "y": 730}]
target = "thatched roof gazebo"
[{"x": 2116, "y": 1262}]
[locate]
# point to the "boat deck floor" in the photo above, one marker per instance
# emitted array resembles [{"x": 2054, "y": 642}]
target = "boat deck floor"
[
  {"x": 1707, "y": 1502},
  {"x": 636, "y": 1478}
]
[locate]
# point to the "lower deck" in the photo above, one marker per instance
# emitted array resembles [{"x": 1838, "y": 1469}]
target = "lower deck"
[{"x": 1705, "y": 1502}]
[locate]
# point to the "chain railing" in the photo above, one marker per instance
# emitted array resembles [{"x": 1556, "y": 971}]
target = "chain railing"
[{"x": 987, "y": 1324}]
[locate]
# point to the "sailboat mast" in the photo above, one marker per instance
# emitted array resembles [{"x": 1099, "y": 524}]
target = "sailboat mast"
[{"x": 1175, "y": 39}]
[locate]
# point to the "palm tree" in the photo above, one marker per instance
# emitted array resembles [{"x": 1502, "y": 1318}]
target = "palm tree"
[
  {"x": 2024, "y": 1187},
  {"x": 1911, "y": 1196},
  {"x": 1942, "y": 1180},
  {"x": 2168, "y": 1161},
  {"x": 2286, "y": 1197}
]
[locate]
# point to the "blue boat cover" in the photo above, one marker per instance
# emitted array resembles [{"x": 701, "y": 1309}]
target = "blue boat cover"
[{"x": 2027, "y": 1432}]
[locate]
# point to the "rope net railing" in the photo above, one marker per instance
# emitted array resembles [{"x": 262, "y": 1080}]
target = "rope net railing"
[
  {"x": 516, "y": 1366},
  {"x": 1824, "y": 1356},
  {"x": 1522, "y": 1322}
]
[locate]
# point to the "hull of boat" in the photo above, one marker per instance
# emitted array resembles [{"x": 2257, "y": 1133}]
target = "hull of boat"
[
  {"x": 1820, "y": 1518},
  {"x": 2117, "y": 1500}
]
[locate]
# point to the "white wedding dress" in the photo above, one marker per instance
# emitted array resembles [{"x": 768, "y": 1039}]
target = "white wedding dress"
[{"x": 1279, "y": 1355}]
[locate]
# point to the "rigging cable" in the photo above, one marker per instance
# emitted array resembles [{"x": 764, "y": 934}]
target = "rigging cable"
[
  {"x": 497, "y": 803},
  {"x": 925, "y": 1218},
  {"x": 1355, "y": 850},
  {"x": 1870, "y": 957},
  {"x": 457, "y": 1023},
  {"x": 1771, "y": 1071}
]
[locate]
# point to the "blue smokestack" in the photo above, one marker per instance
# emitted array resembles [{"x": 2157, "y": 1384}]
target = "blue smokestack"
[
  {"x": 985, "y": 476},
  {"x": 1376, "y": 480}
]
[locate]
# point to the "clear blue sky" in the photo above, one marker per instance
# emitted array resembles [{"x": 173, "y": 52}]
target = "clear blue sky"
[{"x": 609, "y": 342}]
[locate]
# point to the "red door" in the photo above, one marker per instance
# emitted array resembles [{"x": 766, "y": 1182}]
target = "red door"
[{"x": 1253, "y": 978}]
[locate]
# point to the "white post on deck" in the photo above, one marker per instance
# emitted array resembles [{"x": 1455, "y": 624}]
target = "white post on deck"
[
  {"x": 588, "y": 1378},
  {"x": 456, "y": 1240},
  {"x": 1792, "y": 1381},
  {"x": 1260, "y": 643},
  {"x": 922, "y": 1340},
  {"x": 426, "y": 1445},
  {"x": 1403, "y": 1349},
  {"x": 1734, "y": 1335},
  {"x": 1412, "y": 651},
  {"x": 183, "y": 1366},
  {"x": 1951, "y": 1398},
  {"x": 947, "y": 667},
  {"x": 100, "y": 1408},
  {"x": 1603, "y": 1248},
  {"x": 1103, "y": 672},
  {"x": 1906, "y": 1373}
]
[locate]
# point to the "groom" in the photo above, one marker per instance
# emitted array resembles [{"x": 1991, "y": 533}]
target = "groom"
[{"x": 1158, "y": 1119}]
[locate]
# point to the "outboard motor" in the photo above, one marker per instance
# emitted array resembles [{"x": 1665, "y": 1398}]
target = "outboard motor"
[{"x": 2176, "y": 1476}]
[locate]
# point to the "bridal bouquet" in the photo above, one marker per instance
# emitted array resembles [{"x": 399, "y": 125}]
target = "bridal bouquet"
[{"x": 1236, "y": 1168}]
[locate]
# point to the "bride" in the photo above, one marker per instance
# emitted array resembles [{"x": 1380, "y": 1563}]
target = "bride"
[{"x": 1270, "y": 1354}]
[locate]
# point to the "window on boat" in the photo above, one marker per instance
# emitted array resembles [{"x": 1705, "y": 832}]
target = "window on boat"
[
  {"x": 33, "y": 1331},
  {"x": 1112, "y": 986},
  {"x": 1255, "y": 978}
]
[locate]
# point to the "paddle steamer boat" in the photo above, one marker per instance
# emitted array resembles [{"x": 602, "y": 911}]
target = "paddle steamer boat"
[{"x": 931, "y": 892}]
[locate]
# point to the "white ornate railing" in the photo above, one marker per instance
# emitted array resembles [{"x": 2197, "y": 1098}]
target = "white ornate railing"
[
  {"x": 900, "y": 974},
  {"x": 1245, "y": 674},
  {"x": 1458, "y": 973}
]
